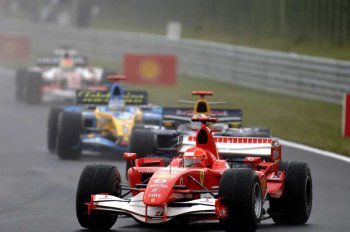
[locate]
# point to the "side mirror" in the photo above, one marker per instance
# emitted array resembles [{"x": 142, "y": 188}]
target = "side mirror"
[{"x": 130, "y": 156}]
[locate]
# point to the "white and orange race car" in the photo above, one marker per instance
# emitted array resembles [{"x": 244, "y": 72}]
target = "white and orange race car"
[
  {"x": 199, "y": 186},
  {"x": 56, "y": 78}
]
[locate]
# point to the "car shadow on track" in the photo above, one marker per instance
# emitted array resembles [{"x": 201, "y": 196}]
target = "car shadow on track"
[{"x": 279, "y": 227}]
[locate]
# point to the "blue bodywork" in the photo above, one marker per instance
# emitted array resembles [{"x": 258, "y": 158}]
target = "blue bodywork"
[{"x": 96, "y": 142}]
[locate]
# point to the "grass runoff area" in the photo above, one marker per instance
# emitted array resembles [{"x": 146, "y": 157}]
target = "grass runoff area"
[
  {"x": 308, "y": 122},
  {"x": 312, "y": 123}
]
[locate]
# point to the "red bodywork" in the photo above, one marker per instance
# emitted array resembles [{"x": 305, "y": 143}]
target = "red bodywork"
[
  {"x": 177, "y": 182},
  {"x": 202, "y": 93},
  {"x": 116, "y": 78}
]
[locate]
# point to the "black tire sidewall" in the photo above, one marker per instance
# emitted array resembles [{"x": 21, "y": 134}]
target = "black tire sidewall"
[
  {"x": 68, "y": 136},
  {"x": 32, "y": 90},
  {"x": 237, "y": 192},
  {"x": 52, "y": 127},
  {"x": 20, "y": 82},
  {"x": 295, "y": 204},
  {"x": 142, "y": 142},
  {"x": 96, "y": 179}
]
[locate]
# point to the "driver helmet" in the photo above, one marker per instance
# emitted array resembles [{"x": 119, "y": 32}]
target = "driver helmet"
[
  {"x": 66, "y": 64},
  {"x": 195, "y": 157},
  {"x": 116, "y": 105}
]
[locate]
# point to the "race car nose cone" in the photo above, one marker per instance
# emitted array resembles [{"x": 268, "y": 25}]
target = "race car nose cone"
[
  {"x": 161, "y": 186},
  {"x": 157, "y": 192}
]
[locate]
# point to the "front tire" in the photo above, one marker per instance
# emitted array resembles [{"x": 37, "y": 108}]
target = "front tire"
[
  {"x": 295, "y": 204},
  {"x": 241, "y": 193},
  {"x": 52, "y": 128},
  {"x": 68, "y": 137},
  {"x": 96, "y": 179}
]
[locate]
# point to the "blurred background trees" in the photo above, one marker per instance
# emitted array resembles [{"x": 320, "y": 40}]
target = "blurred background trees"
[
  {"x": 321, "y": 21},
  {"x": 274, "y": 24}
]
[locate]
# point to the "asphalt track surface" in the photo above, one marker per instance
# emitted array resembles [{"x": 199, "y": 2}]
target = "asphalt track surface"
[{"x": 37, "y": 189}]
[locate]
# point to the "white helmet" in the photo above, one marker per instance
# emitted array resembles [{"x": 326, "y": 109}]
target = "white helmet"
[{"x": 116, "y": 105}]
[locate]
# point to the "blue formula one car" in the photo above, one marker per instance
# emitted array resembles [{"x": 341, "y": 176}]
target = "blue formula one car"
[{"x": 101, "y": 121}]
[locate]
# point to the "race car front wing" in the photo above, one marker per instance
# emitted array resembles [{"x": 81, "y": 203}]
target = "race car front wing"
[{"x": 135, "y": 208}]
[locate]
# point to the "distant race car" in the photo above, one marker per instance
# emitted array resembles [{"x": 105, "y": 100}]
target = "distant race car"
[
  {"x": 232, "y": 117},
  {"x": 199, "y": 186},
  {"x": 177, "y": 121},
  {"x": 57, "y": 78},
  {"x": 101, "y": 121}
]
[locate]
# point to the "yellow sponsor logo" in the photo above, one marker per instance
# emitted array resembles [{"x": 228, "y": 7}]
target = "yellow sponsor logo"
[
  {"x": 201, "y": 176},
  {"x": 89, "y": 96},
  {"x": 163, "y": 176},
  {"x": 149, "y": 70},
  {"x": 133, "y": 99}
]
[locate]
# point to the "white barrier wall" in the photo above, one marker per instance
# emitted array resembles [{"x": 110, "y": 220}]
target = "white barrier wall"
[{"x": 292, "y": 74}]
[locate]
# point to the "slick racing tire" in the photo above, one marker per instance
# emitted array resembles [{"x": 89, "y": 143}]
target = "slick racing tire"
[
  {"x": 96, "y": 179},
  {"x": 241, "y": 193},
  {"x": 68, "y": 137},
  {"x": 143, "y": 143},
  {"x": 20, "y": 84},
  {"x": 32, "y": 89},
  {"x": 52, "y": 128},
  {"x": 294, "y": 206}
]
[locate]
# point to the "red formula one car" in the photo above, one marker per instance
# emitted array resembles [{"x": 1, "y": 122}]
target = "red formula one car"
[{"x": 199, "y": 186}]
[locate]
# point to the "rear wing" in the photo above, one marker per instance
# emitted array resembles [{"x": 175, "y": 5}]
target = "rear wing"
[
  {"x": 230, "y": 115},
  {"x": 92, "y": 97},
  {"x": 101, "y": 97},
  {"x": 238, "y": 146},
  {"x": 135, "y": 97},
  {"x": 55, "y": 61},
  {"x": 185, "y": 114}
]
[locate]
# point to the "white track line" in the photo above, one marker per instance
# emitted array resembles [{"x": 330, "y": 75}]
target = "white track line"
[{"x": 316, "y": 151}]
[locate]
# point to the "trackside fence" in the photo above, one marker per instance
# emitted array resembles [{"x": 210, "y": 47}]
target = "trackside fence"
[{"x": 288, "y": 73}]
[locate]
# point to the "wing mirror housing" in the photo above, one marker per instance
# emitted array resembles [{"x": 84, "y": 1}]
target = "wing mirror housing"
[{"x": 130, "y": 157}]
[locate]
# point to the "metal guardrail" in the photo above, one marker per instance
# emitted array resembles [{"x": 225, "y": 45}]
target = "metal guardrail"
[{"x": 292, "y": 74}]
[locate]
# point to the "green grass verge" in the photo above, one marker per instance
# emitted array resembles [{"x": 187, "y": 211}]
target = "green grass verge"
[{"x": 308, "y": 122}]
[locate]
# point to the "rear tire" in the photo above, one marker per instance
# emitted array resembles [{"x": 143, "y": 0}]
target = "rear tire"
[
  {"x": 295, "y": 204},
  {"x": 96, "y": 179},
  {"x": 143, "y": 143},
  {"x": 32, "y": 92},
  {"x": 68, "y": 137},
  {"x": 241, "y": 193},
  {"x": 52, "y": 128},
  {"x": 20, "y": 84}
]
